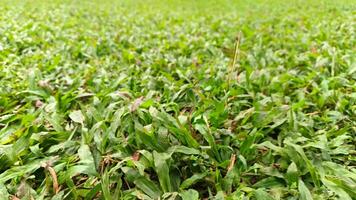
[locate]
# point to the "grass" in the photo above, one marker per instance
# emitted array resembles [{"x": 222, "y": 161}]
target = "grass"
[{"x": 158, "y": 100}]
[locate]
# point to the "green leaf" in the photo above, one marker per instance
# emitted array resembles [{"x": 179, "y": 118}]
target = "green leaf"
[
  {"x": 304, "y": 191},
  {"x": 77, "y": 116},
  {"x": 347, "y": 185},
  {"x": 193, "y": 179},
  {"x": 183, "y": 149},
  {"x": 58, "y": 196},
  {"x": 162, "y": 170},
  {"x": 20, "y": 171},
  {"x": 336, "y": 189},
  {"x": 220, "y": 195},
  {"x": 292, "y": 173},
  {"x": 86, "y": 164},
  {"x": 105, "y": 186},
  {"x": 148, "y": 187},
  {"x": 310, "y": 166},
  {"x": 269, "y": 182},
  {"x": 3, "y": 191},
  {"x": 189, "y": 195},
  {"x": 93, "y": 192},
  {"x": 210, "y": 139},
  {"x": 260, "y": 194}
]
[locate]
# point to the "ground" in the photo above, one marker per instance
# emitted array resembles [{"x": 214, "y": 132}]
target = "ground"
[{"x": 178, "y": 99}]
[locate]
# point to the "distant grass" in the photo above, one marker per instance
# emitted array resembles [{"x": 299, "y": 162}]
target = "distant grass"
[{"x": 131, "y": 100}]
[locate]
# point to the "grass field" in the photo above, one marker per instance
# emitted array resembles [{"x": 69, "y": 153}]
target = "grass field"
[{"x": 178, "y": 99}]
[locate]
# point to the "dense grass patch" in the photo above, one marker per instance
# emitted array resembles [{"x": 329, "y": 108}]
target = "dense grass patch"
[{"x": 178, "y": 100}]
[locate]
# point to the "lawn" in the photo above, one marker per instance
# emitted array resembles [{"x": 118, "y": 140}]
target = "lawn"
[{"x": 163, "y": 99}]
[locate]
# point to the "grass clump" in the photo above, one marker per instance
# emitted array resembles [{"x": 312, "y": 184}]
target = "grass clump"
[{"x": 157, "y": 100}]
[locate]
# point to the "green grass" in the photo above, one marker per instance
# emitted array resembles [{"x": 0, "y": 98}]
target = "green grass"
[{"x": 140, "y": 100}]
